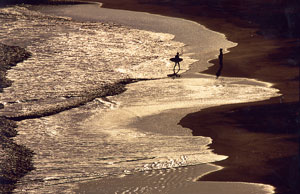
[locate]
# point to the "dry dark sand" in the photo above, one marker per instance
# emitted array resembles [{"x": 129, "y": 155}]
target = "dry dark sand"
[{"x": 262, "y": 138}]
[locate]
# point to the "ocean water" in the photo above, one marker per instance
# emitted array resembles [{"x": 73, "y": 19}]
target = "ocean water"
[{"x": 92, "y": 135}]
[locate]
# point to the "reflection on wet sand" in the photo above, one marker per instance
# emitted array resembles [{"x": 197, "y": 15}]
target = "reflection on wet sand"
[{"x": 70, "y": 61}]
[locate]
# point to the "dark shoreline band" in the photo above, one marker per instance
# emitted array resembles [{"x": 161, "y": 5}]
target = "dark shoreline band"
[{"x": 18, "y": 160}]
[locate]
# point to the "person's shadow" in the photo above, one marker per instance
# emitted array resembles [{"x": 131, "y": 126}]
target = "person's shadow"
[{"x": 220, "y": 64}]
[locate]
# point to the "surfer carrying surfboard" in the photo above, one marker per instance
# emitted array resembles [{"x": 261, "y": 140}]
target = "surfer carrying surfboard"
[{"x": 176, "y": 59}]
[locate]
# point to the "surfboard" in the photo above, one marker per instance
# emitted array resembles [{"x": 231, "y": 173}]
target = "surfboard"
[{"x": 176, "y": 60}]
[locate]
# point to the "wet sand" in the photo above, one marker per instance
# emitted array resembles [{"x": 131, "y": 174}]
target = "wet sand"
[
  {"x": 175, "y": 181},
  {"x": 267, "y": 57},
  {"x": 267, "y": 50},
  {"x": 86, "y": 187}
]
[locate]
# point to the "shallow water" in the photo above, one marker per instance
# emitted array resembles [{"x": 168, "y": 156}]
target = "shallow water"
[
  {"x": 72, "y": 61},
  {"x": 176, "y": 181},
  {"x": 200, "y": 43}
]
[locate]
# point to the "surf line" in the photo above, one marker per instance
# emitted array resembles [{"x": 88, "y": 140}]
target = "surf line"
[{"x": 216, "y": 49}]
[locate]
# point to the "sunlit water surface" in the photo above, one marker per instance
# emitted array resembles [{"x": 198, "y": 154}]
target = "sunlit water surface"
[{"x": 72, "y": 61}]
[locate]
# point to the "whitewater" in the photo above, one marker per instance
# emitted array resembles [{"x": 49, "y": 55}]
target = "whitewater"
[{"x": 80, "y": 96}]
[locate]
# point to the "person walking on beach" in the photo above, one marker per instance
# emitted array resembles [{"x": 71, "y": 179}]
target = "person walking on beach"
[{"x": 220, "y": 64}]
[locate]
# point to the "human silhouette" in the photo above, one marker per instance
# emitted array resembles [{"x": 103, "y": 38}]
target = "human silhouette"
[
  {"x": 220, "y": 64},
  {"x": 176, "y": 59}
]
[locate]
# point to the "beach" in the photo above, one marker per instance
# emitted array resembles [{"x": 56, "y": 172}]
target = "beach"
[
  {"x": 263, "y": 49},
  {"x": 236, "y": 130}
]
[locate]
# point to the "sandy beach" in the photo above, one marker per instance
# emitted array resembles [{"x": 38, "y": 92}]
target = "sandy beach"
[
  {"x": 261, "y": 139},
  {"x": 267, "y": 50}
]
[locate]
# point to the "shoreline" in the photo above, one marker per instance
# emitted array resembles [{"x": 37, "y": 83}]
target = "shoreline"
[
  {"x": 248, "y": 42},
  {"x": 237, "y": 61},
  {"x": 212, "y": 71},
  {"x": 35, "y": 116},
  {"x": 259, "y": 151},
  {"x": 85, "y": 188}
]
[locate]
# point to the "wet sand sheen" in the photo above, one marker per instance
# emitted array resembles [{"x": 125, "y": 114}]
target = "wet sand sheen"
[
  {"x": 260, "y": 39},
  {"x": 61, "y": 130},
  {"x": 187, "y": 94},
  {"x": 245, "y": 82},
  {"x": 175, "y": 181},
  {"x": 118, "y": 180},
  {"x": 137, "y": 114}
]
